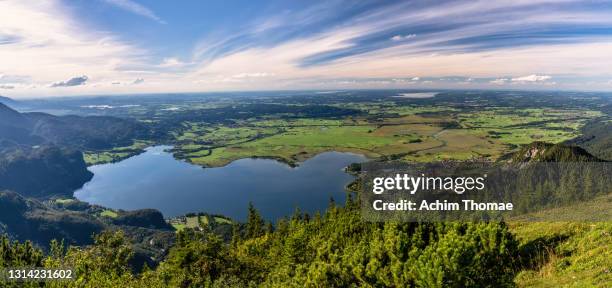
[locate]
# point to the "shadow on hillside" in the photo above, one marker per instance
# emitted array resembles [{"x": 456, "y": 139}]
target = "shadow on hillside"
[{"x": 535, "y": 253}]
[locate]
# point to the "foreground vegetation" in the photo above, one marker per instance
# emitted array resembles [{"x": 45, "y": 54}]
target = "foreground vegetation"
[
  {"x": 335, "y": 249},
  {"x": 566, "y": 254},
  {"x": 338, "y": 249}
]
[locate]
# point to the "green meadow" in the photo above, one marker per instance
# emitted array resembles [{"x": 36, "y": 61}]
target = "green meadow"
[{"x": 411, "y": 133}]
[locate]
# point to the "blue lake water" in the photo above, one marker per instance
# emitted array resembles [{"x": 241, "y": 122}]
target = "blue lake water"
[{"x": 155, "y": 179}]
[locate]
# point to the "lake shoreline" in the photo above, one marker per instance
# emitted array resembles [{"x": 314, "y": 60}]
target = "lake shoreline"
[{"x": 156, "y": 179}]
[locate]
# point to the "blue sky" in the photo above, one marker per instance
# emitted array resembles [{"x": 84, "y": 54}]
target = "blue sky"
[{"x": 73, "y": 47}]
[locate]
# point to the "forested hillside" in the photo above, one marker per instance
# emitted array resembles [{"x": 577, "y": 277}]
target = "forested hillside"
[
  {"x": 42, "y": 172},
  {"x": 331, "y": 250},
  {"x": 596, "y": 137},
  {"x": 74, "y": 222},
  {"x": 24, "y": 218}
]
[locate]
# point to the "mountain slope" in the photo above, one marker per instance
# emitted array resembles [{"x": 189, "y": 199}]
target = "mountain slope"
[
  {"x": 15, "y": 129},
  {"x": 39, "y": 153},
  {"x": 43, "y": 172},
  {"x": 7, "y": 100},
  {"x": 596, "y": 137},
  {"x": 93, "y": 132}
]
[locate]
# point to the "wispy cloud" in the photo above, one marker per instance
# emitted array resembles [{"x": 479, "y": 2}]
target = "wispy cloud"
[
  {"x": 532, "y": 78},
  {"x": 53, "y": 45},
  {"x": 402, "y": 37},
  {"x": 320, "y": 45},
  {"x": 499, "y": 81},
  {"x": 479, "y": 38},
  {"x": 172, "y": 62},
  {"x": 136, "y": 8}
]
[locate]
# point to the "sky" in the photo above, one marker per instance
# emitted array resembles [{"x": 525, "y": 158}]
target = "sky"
[{"x": 90, "y": 47}]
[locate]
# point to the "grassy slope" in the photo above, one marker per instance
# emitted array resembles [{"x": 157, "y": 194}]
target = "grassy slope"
[
  {"x": 197, "y": 221},
  {"x": 115, "y": 154},
  {"x": 109, "y": 213},
  {"x": 572, "y": 255},
  {"x": 566, "y": 254}
]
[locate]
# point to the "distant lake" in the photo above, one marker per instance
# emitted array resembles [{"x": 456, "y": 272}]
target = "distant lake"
[
  {"x": 155, "y": 179},
  {"x": 420, "y": 95}
]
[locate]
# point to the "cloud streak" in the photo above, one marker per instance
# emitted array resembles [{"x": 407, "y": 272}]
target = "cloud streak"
[
  {"x": 532, "y": 78},
  {"x": 402, "y": 37},
  {"x": 136, "y": 8},
  {"x": 319, "y": 45}
]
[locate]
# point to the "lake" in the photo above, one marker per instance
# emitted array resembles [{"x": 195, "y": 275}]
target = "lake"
[
  {"x": 155, "y": 179},
  {"x": 421, "y": 95}
]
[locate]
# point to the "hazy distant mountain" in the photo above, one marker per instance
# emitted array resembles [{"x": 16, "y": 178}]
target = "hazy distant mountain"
[
  {"x": 15, "y": 129},
  {"x": 7, "y": 100},
  {"x": 10, "y": 116},
  {"x": 94, "y": 132}
]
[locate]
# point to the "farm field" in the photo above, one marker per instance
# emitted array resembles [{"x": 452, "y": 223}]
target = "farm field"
[
  {"x": 198, "y": 221},
  {"x": 415, "y": 134},
  {"x": 115, "y": 154}
]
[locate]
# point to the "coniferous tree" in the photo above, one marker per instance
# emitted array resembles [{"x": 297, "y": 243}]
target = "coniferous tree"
[{"x": 255, "y": 223}]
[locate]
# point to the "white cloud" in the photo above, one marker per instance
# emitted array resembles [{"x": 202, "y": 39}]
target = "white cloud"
[
  {"x": 171, "y": 63},
  {"x": 402, "y": 37},
  {"x": 138, "y": 81},
  {"x": 5, "y": 86},
  {"x": 416, "y": 78},
  {"x": 136, "y": 8},
  {"x": 406, "y": 81},
  {"x": 532, "y": 78},
  {"x": 499, "y": 81}
]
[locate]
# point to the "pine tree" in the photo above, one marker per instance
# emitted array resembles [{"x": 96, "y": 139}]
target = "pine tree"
[{"x": 255, "y": 223}]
